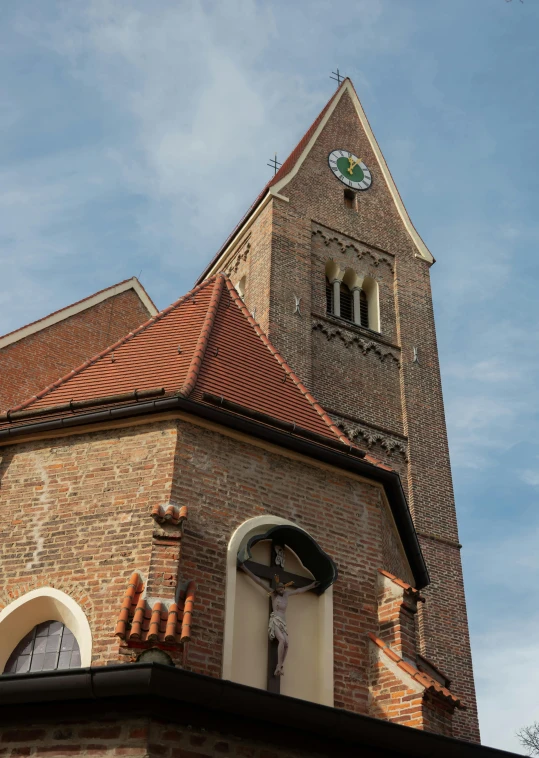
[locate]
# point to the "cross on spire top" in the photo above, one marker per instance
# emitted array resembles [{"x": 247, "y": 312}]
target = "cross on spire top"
[{"x": 337, "y": 77}]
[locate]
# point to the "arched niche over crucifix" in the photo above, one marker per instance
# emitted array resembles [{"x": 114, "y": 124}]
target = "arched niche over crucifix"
[{"x": 289, "y": 550}]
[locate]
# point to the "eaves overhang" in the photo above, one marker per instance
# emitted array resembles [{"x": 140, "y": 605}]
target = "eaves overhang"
[
  {"x": 346, "y": 459},
  {"x": 182, "y": 697}
]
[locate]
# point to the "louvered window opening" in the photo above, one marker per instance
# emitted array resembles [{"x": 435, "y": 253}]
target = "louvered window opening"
[
  {"x": 363, "y": 309},
  {"x": 329, "y": 296},
  {"x": 49, "y": 646},
  {"x": 347, "y": 307}
]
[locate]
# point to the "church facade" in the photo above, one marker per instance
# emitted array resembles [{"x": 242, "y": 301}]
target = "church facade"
[{"x": 233, "y": 531}]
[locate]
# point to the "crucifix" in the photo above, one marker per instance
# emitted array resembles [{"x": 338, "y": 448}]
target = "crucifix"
[{"x": 282, "y": 584}]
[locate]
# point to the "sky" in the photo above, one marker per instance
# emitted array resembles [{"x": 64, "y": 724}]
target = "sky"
[{"x": 135, "y": 135}]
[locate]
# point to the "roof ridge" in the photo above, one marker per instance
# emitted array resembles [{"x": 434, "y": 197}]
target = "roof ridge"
[
  {"x": 295, "y": 379},
  {"x": 290, "y": 161},
  {"x": 113, "y": 347},
  {"x": 409, "y": 588},
  {"x": 285, "y": 168},
  {"x": 202, "y": 341}
]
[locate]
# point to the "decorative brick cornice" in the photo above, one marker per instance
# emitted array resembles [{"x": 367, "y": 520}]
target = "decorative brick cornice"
[
  {"x": 239, "y": 258},
  {"x": 361, "y": 251},
  {"x": 371, "y": 437},
  {"x": 349, "y": 337}
]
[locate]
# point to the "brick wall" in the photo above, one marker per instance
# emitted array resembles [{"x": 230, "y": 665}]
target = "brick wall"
[
  {"x": 106, "y": 737},
  {"x": 75, "y": 516},
  {"x": 144, "y": 738},
  {"x": 32, "y": 363}
]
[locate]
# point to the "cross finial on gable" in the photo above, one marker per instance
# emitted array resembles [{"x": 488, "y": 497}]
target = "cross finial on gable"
[
  {"x": 337, "y": 77},
  {"x": 274, "y": 164}
]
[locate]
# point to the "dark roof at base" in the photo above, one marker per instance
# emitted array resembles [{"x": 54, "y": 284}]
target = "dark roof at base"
[{"x": 186, "y": 698}]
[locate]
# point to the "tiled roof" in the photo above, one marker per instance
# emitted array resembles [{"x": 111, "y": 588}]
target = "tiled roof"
[
  {"x": 428, "y": 682},
  {"x": 405, "y": 586},
  {"x": 138, "y": 623},
  {"x": 206, "y": 342},
  {"x": 286, "y": 167}
]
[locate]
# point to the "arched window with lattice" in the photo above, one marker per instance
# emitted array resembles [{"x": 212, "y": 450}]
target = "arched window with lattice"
[{"x": 44, "y": 630}]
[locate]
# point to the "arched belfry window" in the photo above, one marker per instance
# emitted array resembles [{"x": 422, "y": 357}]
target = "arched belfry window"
[
  {"x": 329, "y": 296},
  {"x": 346, "y": 302},
  {"x": 47, "y": 647},
  {"x": 267, "y": 556},
  {"x": 352, "y": 297},
  {"x": 363, "y": 309}
]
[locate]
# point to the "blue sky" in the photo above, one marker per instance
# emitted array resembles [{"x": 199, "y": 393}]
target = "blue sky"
[{"x": 135, "y": 134}]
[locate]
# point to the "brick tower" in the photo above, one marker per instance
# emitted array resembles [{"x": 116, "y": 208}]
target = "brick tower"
[{"x": 330, "y": 265}]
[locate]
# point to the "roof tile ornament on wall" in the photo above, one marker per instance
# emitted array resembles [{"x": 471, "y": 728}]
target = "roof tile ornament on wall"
[
  {"x": 169, "y": 514},
  {"x": 142, "y": 626}
]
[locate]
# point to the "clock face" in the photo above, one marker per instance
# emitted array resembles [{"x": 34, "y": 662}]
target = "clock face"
[{"x": 350, "y": 170}]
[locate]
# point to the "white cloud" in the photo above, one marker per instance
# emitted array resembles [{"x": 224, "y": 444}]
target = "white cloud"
[{"x": 531, "y": 476}]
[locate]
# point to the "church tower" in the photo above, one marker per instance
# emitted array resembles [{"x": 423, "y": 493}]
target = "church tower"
[{"x": 331, "y": 267}]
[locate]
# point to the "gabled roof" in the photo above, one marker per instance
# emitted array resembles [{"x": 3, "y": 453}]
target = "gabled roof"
[
  {"x": 205, "y": 344},
  {"x": 78, "y": 307},
  {"x": 294, "y": 161},
  {"x": 429, "y": 683}
]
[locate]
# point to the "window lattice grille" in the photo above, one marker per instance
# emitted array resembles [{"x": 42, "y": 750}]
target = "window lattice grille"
[
  {"x": 49, "y": 646},
  {"x": 363, "y": 309},
  {"x": 346, "y": 303}
]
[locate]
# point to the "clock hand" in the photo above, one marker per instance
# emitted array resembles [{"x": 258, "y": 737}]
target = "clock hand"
[{"x": 352, "y": 164}]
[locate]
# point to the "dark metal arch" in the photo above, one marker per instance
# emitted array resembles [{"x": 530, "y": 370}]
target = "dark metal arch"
[{"x": 321, "y": 566}]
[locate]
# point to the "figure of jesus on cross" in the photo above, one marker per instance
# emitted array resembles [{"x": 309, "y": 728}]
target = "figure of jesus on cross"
[{"x": 279, "y": 592}]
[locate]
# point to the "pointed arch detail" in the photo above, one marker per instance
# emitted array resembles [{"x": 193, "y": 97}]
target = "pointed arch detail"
[{"x": 43, "y": 604}]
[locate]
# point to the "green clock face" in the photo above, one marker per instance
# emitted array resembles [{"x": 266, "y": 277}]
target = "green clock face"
[{"x": 350, "y": 170}]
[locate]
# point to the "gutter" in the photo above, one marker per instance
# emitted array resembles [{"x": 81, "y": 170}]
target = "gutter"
[
  {"x": 130, "y": 690},
  {"x": 290, "y": 440}
]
